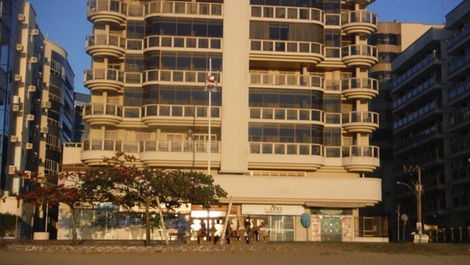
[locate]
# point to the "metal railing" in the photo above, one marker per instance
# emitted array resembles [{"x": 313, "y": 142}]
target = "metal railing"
[
  {"x": 116, "y": 6},
  {"x": 279, "y": 12},
  {"x": 179, "y": 76},
  {"x": 359, "y": 50},
  {"x": 102, "y": 109},
  {"x": 286, "y": 46},
  {"x": 360, "y": 84},
  {"x": 162, "y": 41},
  {"x": 149, "y": 146},
  {"x": 281, "y": 79},
  {"x": 286, "y": 148},
  {"x": 458, "y": 63},
  {"x": 184, "y": 111},
  {"x": 459, "y": 90},
  {"x": 103, "y": 74},
  {"x": 360, "y": 151},
  {"x": 458, "y": 36},
  {"x": 361, "y": 117},
  {"x": 415, "y": 68},
  {"x": 360, "y": 16},
  {"x": 134, "y": 44},
  {"x": 415, "y": 92},
  {"x": 183, "y": 8},
  {"x": 106, "y": 40},
  {"x": 133, "y": 78},
  {"x": 265, "y": 113}
]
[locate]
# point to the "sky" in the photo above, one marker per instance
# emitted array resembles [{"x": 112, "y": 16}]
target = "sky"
[{"x": 64, "y": 22}]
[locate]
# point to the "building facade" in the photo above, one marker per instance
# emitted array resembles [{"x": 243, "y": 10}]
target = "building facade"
[
  {"x": 289, "y": 122},
  {"x": 78, "y": 124},
  {"x": 391, "y": 39}
]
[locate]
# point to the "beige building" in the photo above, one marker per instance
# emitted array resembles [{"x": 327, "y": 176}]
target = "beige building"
[{"x": 290, "y": 120}]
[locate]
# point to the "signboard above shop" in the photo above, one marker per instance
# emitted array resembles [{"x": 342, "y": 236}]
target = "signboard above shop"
[{"x": 256, "y": 209}]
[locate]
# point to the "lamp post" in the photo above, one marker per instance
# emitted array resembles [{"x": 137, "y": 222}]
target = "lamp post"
[
  {"x": 210, "y": 87},
  {"x": 418, "y": 190}
]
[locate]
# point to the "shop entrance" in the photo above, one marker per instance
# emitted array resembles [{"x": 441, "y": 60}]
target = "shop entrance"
[{"x": 331, "y": 229}]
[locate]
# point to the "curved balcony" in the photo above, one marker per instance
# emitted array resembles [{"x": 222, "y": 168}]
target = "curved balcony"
[
  {"x": 297, "y": 81},
  {"x": 360, "y": 88},
  {"x": 286, "y": 51},
  {"x": 172, "y": 77},
  {"x": 359, "y": 55},
  {"x": 105, "y": 45},
  {"x": 280, "y": 115},
  {"x": 287, "y": 14},
  {"x": 183, "y": 9},
  {"x": 266, "y": 155},
  {"x": 178, "y": 43},
  {"x": 96, "y": 150},
  {"x": 360, "y": 158},
  {"x": 103, "y": 114},
  {"x": 360, "y": 121},
  {"x": 183, "y": 115},
  {"x": 179, "y": 153},
  {"x": 359, "y": 22},
  {"x": 106, "y": 11},
  {"x": 103, "y": 79}
]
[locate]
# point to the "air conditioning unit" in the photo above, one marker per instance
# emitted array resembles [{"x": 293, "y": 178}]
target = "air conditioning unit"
[
  {"x": 46, "y": 104},
  {"x": 35, "y": 32},
  {"x": 16, "y": 100},
  {"x": 14, "y": 139},
  {"x": 15, "y": 108},
  {"x": 21, "y": 17},
  {"x": 28, "y": 146},
  {"x": 18, "y": 77},
  {"x": 11, "y": 170},
  {"x": 31, "y": 89},
  {"x": 33, "y": 59},
  {"x": 19, "y": 47},
  {"x": 44, "y": 130},
  {"x": 30, "y": 117}
]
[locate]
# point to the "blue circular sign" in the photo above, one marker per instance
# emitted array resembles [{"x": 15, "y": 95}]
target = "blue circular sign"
[{"x": 305, "y": 220}]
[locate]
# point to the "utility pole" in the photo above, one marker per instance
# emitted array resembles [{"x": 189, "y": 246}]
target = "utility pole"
[
  {"x": 210, "y": 87},
  {"x": 418, "y": 190},
  {"x": 398, "y": 222}
]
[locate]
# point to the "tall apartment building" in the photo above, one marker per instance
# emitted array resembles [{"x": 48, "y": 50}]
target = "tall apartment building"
[
  {"x": 391, "y": 39},
  {"x": 37, "y": 108},
  {"x": 78, "y": 124},
  {"x": 458, "y": 123},
  {"x": 290, "y": 118},
  {"x": 431, "y": 128}
]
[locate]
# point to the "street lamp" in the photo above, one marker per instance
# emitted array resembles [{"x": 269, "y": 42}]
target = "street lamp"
[{"x": 418, "y": 191}]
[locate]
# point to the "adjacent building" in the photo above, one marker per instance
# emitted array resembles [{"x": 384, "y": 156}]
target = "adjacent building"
[
  {"x": 79, "y": 125},
  {"x": 36, "y": 110},
  {"x": 288, "y": 128}
]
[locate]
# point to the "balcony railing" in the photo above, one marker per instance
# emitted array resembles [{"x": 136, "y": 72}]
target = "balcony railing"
[
  {"x": 179, "y": 146},
  {"x": 149, "y": 146},
  {"x": 421, "y": 136},
  {"x": 459, "y": 90},
  {"x": 360, "y": 151},
  {"x": 460, "y": 144},
  {"x": 103, "y": 74},
  {"x": 134, "y": 44},
  {"x": 133, "y": 78},
  {"x": 105, "y": 40},
  {"x": 459, "y": 116},
  {"x": 458, "y": 37},
  {"x": 287, "y": 46},
  {"x": 458, "y": 63},
  {"x": 286, "y": 114},
  {"x": 105, "y": 6},
  {"x": 183, "y": 8},
  {"x": 290, "y": 80},
  {"x": 162, "y": 41},
  {"x": 360, "y": 84},
  {"x": 288, "y": 13},
  {"x": 178, "y": 76},
  {"x": 102, "y": 109},
  {"x": 333, "y": 52},
  {"x": 286, "y": 148},
  {"x": 361, "y": 117},
  {"x": 424, "y": 109},
  {"x": 359, "y": 50},
  {"x": 415, "y": 92},
  {"x": 415, "y": 68},
  {"x": 360, "y": 16},
  {"x": 183, "y": 111}
]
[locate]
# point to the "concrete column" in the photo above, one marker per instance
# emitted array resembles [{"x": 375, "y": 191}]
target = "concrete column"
[{"x": 234, "y": 148}]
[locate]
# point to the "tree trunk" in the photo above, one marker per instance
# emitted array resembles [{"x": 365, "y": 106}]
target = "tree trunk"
[
  {"x": 162, "y": 221},
  {"x": 74, "y": 226},
  {"x": 147, "y": 224}
]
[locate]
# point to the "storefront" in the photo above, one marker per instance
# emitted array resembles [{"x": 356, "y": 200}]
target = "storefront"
[{"x": 332, "y": 224}]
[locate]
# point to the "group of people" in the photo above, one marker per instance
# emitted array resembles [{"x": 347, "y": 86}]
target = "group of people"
[{"x": 247, "y": 233}]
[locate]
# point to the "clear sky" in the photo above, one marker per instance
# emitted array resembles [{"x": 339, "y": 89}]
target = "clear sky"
[{"x": 64, "y": 22}]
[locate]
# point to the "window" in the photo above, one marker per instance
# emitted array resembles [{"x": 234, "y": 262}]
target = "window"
[
  {"x": 392, "y": 39},
  {"x": 285, "y": 133}
]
